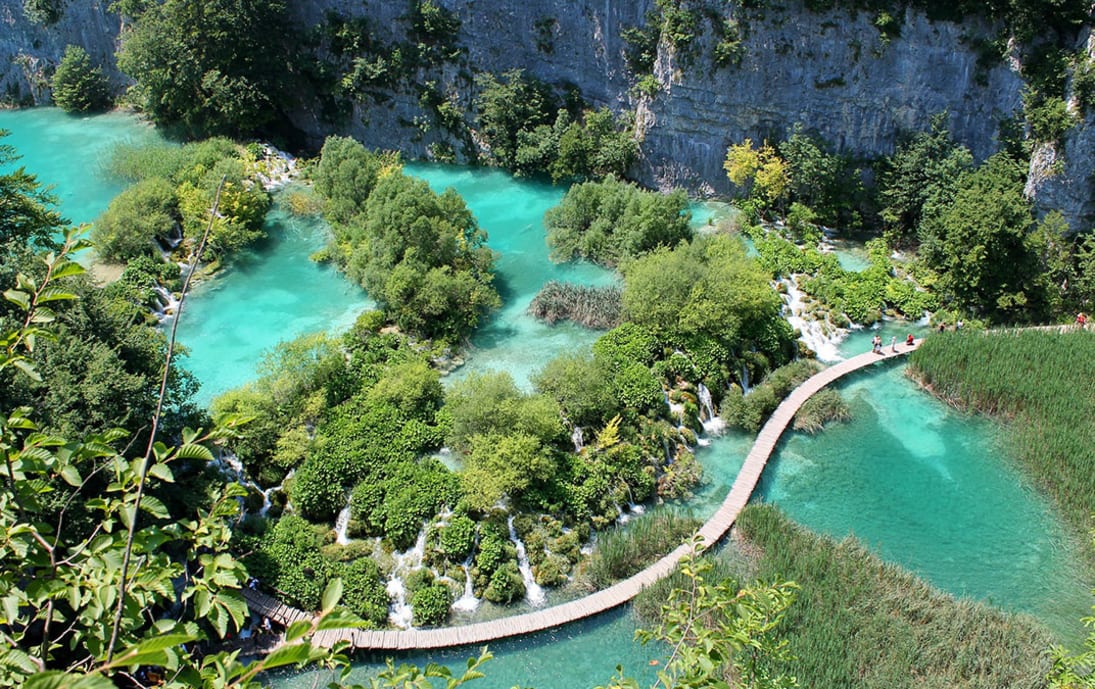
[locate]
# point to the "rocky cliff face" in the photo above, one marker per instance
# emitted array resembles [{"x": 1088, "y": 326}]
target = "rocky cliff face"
[
  {"x": 834, "y": 73},
  {"x": 30, "y": 52}
]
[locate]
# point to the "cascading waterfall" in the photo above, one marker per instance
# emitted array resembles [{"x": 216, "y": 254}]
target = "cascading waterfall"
[
  {"x": 400, "y": 614},
  {"x": 812, "y": 332},
  {"x": 745, "y": 380},
  {"x": 342, "y": 522},
  {"x": 467, "y": 602},
  {"x": 168, "y": 303},
  {"x": 266, "y": 502},
  {"x": 577, "y": 439},
  {"x": 533, "y": 591},
  {"x": 713, "y": 424}
]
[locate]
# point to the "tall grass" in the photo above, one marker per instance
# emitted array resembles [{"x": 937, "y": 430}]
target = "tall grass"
[
  {"x": 1043, "y": 384},
  {"x": 593, "y": 307},
  {"x": 859, "y": 622},
  {"x": 625, "y": 550}
]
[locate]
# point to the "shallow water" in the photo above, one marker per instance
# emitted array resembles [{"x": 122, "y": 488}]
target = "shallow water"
[
  {"x": 70, "y": 154},
  {"x": 577, "y": 656}
]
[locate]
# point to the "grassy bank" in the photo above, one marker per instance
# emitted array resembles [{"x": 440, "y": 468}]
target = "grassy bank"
[
  {"x": 1041, "y": 383},
  {"x": 859, "y": 622}
]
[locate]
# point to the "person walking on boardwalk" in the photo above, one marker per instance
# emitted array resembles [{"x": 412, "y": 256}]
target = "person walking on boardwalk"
[
  {"x": 893, "y": 343},
  {"x": 1081, "y": 320},
  {"x": 876, "y": 344},
  {"x": 909, "y": 340}
]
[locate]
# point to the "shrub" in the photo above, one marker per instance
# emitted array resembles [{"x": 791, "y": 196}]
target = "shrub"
[
  {"x": 506, "y": 584},
  {"x": 135, "y": 218},
  {"x": 458, "y": 537},
  {"x": 364, "y": 592},
  {"x": 431, "y": 604},
  {"x": 77, "y": 86},
  {"x": 825, "y": 406}
]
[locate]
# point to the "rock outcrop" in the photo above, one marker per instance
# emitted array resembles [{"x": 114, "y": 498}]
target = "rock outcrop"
[{"x": 835, "y": 73}]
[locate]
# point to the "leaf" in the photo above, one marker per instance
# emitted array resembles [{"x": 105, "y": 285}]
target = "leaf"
[
  {"x": 19, "y": 298},
  {"x": 27, "y": 368},
  {"x": 71, "y": 475},
  {"x": 293, "y": 654},
  {"x": 151, "y": 651},
  {"x": 332, "y": 594},
  {"x": 66, "y": 269},
  {"x": 340, "y": 619},
  {"x": 162, "y": 472},
  {"x": 194, "y": 451},
  {"x": 55, "y": 679},
  {"x": 155, "y": 507},
  {"x": 297, "y": 630}
]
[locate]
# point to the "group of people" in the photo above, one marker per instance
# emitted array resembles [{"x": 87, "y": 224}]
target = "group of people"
[{"x": 876, "y": 343}]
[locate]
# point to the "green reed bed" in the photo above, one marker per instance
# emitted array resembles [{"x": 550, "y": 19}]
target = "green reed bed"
[
  {"x": 593, "y": 307},
  {"x": 627, "y": 549},
  {"x": 859, "y": 622},
  {"x": 1043, "y": 385}
]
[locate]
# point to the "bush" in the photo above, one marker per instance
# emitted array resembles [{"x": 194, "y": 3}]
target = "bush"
[
  {"x": 506, "y": 584},
  {"x": 135, "y": 218},
  {"x": 458, "y": 538},
  {"x": 77, "y": 86},
  {"x": 824, "y": 407},
  {"x": 431, "y": 605},
  {"x": 364, "y": 592}
]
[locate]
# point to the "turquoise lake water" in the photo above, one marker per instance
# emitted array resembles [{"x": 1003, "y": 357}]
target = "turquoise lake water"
[{"x": 922, "y": 485}]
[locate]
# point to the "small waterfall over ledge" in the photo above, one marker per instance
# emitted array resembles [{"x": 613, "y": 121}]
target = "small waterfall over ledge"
[
  {"x": 467, "y": 602},
  {"x": 401, "y": 615},
  {"x": 812, "y": 332},
  {"x": 342, "y": 522},
  {"x": 713, "y": 424},
  {"x": 534, "y": 593}
]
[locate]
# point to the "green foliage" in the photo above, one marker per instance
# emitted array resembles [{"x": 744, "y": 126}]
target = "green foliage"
[
  {"x": 364, "y": 591},
  {"x": 592, "y": 307},
  {"x": 922, "y": 169},
  {"x": 708, "y": 289},
  {"x": 824, "y": 407},
  {"x": 28, "y": 219},
  {"x": 1047, "y": 408},
  {"x": 210, "y": 67},
  {"x": 527, "y": 132},
  {"x": 431, "y": 605},
  {"x": 421, "y": 255},
  {"x": 490, "y": 403},
  {"x": 627, "y": 549},
  {"x": 135, "y": 219},
  {"x": 44, "y": 12},
  {"x": 346, "y": 175},
  {"x": 76, "y": 85},
  {"x": 979, "y": 243},
  {"x": 504, "y": 465},
  {"x": 862, "y": 622},
  {"x": 287, "y": 558},
  {"x": 749, "y": 412},
  {"x": 458, "y": 538},
  {"x": 610, "y": 221},
  {"x": 506, "y": 584}
]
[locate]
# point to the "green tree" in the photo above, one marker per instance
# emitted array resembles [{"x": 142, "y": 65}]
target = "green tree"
[
  {"x": 508, "y": 105},
  {"x": 135, "y": 219},
  {"x": 76, "y": 85},
  {"x": 346, "y": 175},
  {"x": 611, "y": 220},
  {"x": 759, "y": 172},
  {"x": 504, "y": 465},
  {"x": 980, "y": 244},
  {"x": 923, "y": 168},
  {"x": 210, "y": 67}
]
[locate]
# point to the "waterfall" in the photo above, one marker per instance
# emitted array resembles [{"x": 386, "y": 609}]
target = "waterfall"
[
  {"x": 533, "y": 592},
  {"x": 168, "y": 303},
  {"x": 577, "y": 439},
  {"x": 401, "y": 615},
  {"x": 266, "y": 502},
  {"x": 713, "y": 424},
  {"x": 744, "y": 379},
  {"x": 341, "y": 524},
  {"x": 811, "y": 331},
  {"x": 467, "y": 602}
]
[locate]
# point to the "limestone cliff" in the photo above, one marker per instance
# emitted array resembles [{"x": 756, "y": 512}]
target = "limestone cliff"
[{"x": 836, "y": 73}]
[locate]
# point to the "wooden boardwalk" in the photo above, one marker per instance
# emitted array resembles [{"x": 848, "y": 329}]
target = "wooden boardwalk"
[{"x": 539, "y": 620}]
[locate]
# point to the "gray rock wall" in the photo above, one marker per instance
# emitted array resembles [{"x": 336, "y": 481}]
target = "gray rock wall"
[
  {"x": 834, "y": 73},
  {"x": 29, "y": 52}
]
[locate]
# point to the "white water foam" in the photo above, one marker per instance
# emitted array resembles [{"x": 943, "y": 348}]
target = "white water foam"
[
  {"x": 534, "y": 593},
  {"x": 812, "y": 331}
]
